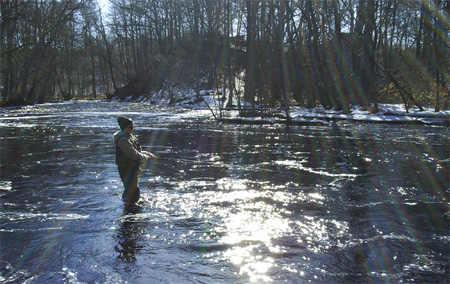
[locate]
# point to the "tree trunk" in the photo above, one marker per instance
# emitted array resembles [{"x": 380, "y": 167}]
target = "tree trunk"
[{"x": 249, "y": 94}]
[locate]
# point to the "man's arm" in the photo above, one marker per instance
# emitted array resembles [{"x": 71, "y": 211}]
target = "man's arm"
[{"x": 130, "y": 152}]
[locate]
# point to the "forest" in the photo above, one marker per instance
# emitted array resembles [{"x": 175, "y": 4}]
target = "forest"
[{"x": 330, "y": 53}]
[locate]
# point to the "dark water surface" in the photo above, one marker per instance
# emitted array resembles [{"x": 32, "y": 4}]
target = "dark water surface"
[{"x": 345, "y": 203}]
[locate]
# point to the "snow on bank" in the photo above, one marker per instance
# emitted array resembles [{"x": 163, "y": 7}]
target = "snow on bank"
[
  {"x": 392, "y": 114},
  {"x": 389, "y": 113}
]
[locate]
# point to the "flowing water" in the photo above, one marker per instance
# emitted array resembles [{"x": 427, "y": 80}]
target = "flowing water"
[{"x": 338, "y": 203}]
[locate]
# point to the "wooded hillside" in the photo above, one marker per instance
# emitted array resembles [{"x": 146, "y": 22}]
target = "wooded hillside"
[{"x": 333, "y": 53}]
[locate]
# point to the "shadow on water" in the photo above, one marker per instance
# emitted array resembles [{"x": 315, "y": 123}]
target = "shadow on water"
[{"x": 129, "y": 235}]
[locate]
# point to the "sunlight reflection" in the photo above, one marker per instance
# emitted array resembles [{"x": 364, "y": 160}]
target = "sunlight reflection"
[
  {"x": 250, "y": 227},
  {"x": 251, "y": 230},
  {"x": 316, "y": 196},
  {"x": 230, "y": 184},
  {"x": 256, "y": 223}
]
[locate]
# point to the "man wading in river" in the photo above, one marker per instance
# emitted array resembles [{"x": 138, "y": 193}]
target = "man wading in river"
[{"x": 129, "y": 158}]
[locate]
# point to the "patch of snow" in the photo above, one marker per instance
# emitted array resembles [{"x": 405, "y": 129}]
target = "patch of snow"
[
  {"x": 394, "y": 113},
  {"x": 208, "y": 100}
]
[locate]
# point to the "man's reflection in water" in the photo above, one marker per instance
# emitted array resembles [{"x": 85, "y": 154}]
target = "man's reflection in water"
[{"x": 128, "y": 236}]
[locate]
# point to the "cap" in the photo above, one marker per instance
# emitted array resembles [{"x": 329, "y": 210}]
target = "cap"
[{"x": 124, "y": 122}]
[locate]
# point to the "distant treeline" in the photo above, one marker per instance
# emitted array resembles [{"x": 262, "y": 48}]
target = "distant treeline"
[{"x": 333, "y": 53}]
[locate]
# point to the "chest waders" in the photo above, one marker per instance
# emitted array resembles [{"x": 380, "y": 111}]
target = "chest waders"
[{"x": 129, "y": 172}]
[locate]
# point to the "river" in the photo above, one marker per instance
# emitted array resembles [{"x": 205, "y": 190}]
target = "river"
[{"x": 339, "y": 203}]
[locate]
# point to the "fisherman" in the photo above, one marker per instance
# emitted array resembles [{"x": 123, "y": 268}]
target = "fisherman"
[{"x": 129, "y": 158}]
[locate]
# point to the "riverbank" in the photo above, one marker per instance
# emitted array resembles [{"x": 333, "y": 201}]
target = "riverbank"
[{"x": 388, "y": 113}]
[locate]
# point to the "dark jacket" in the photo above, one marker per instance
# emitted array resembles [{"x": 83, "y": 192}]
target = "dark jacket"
[{"x": 128, "y": 150}]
